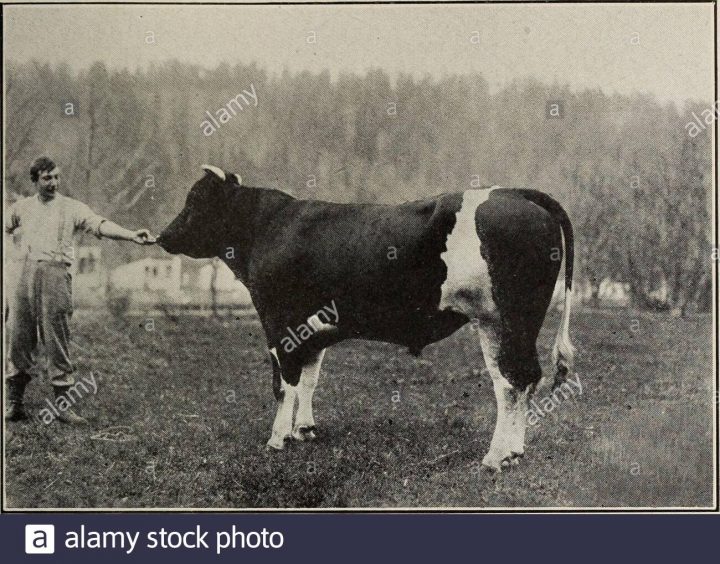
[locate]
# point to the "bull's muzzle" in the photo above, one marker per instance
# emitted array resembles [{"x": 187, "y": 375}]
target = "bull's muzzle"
[{"x": 165, "y": 242}]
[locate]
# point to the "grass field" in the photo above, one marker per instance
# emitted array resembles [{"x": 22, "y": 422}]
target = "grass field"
[{"x": 183, "y": 412}]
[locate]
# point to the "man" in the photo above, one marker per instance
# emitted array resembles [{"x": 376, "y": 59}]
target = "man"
[{"x": 40, "y": 297}]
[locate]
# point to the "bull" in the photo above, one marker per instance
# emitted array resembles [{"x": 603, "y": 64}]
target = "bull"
[{"x": 410, "y": 274}]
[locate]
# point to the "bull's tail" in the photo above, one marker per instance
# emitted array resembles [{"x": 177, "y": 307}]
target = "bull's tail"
[
  {"x": 278, "y": 392},
  {"x": 563, "y": 353}
]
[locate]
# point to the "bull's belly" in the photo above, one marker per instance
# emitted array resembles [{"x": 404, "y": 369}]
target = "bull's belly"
[{"x": 412, "y": 328}]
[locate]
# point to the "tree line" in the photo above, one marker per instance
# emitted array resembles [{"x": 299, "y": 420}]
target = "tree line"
[{"x": 635, "y": 182}]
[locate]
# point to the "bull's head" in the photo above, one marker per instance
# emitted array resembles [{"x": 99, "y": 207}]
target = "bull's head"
[{"x": 198, "y": 229}]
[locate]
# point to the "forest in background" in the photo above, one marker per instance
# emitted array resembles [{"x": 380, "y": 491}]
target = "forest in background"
[{"x": 636, "y": 184}]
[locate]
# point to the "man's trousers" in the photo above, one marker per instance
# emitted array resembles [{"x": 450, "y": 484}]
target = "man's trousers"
[{"x": 40, "y": 308}]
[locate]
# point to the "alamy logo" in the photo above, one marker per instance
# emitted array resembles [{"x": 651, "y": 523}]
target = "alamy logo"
[
  {"x": 39, "y": 539},
  {"x": 321, "y": 320}
]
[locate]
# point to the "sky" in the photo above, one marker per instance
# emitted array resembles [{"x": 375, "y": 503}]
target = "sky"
[{"x": 662, "y": 49}]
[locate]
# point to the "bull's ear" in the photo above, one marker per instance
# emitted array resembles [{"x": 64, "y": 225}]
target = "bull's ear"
[
  {"x": 214, "y": 170},
  {"x": 238, "y": 179}
]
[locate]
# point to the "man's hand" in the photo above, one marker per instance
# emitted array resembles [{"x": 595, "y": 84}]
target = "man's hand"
[
  {"x": 143, "y": 237},
  {"x": 112, "y": 230}
]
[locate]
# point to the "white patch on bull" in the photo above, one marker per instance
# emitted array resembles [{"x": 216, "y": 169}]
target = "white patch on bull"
[
  {"x": 273, "y": 351},
  {"x": 467, "y": 288}
]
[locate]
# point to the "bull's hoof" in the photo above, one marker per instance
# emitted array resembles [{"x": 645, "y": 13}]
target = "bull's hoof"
[
  {"x": 495, "y": 462},
  {"x": 304, "y": 433},
  {"x": 276, "y": 442},
  {"x": 492, "y": 462}
]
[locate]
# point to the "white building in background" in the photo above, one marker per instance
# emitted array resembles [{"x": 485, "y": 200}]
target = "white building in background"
[
  {"x": 150, "y": 274},
  {"x": 225, "y": 282},
  {"x": 178, "y": 281}
]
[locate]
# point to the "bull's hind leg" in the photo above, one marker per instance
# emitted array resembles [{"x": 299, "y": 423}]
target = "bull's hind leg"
[
  {"x": 506, "y": 397},
  {"x": 304, "y": 429},
  {"x": 508, "y": 442}
]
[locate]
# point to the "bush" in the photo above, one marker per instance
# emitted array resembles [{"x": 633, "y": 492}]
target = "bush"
[{"x": 118, "y": 304}]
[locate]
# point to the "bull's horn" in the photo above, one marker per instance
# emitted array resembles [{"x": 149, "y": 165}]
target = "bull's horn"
[
  {"x": 238, "y": 178},
  {"x": 215, "y": 170}
]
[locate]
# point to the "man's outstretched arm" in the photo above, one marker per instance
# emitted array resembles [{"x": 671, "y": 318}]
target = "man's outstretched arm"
[{"x": 112, "y": 230}]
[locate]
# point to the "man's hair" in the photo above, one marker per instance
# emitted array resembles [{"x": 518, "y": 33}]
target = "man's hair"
[{"x": 39, "y": 165}]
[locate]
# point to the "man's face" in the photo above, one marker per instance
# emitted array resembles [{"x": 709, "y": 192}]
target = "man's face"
[{"x": 48, "y": 183}]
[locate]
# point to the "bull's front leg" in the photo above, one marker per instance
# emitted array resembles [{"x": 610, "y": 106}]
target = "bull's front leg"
[
  {"x": 304, "y": 429},
  {"x": 296, "y": 374},
  {"x": 282, "y": 426},
  {"x": 295, "y": 381}
]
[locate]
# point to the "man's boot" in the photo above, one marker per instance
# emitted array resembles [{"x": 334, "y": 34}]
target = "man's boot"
[
  {"x": 68, "y": 415},
  {"x": 16, "y": 391}
]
